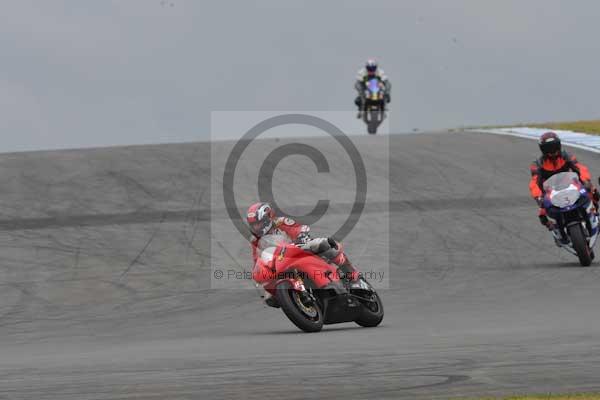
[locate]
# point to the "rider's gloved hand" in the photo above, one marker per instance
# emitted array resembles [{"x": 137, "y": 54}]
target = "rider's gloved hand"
[
  {"x": 592, "y": 191},
  {"x": 544, "y": 219},
  {"x": 302, "y": 238},
  {"x": 315, "y": 245},
  {"x": 332, "y": 243}
]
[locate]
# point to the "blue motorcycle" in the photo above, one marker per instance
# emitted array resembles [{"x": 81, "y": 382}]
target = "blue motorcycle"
[
  {"x": 570, "y": 209},
  {"x": 374, "y": 105}
]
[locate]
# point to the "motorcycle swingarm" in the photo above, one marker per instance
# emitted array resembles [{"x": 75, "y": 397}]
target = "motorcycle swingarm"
[
  {"x": 337, "y": 287},
  {"x": 338, "y": 310}
]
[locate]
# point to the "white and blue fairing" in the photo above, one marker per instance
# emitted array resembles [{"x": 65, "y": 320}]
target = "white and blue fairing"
[{"x": 563, "y": 194}]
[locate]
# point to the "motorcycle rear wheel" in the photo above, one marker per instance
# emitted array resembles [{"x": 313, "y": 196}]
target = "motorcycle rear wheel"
[
  {"x": 307, "y": 317},
  {"x": 371, "y": 313}
]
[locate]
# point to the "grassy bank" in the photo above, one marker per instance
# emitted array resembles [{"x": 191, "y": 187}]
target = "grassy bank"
[
  {"x": 589, "y": 126},
  {"x": 592, "y": 126},
  {"x": 576, "y": 396}
]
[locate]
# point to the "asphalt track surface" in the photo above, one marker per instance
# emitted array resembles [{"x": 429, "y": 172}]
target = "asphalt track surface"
[{"x": 105, "y": 284}]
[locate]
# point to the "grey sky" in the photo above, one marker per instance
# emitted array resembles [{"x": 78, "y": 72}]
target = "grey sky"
[{"x": 95, "y": 73}]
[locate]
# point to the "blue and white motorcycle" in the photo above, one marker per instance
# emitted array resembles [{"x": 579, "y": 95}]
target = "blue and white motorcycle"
[
  {"x": 374, "y": 105},
  {"x": 569, "y": 207}
]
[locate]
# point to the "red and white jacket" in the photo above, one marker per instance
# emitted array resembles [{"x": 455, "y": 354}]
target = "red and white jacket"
[{"x": 286, "y": 227}]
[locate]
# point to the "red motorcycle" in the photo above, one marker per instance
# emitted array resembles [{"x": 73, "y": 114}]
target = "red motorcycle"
[{"x": 312, "y": 292}]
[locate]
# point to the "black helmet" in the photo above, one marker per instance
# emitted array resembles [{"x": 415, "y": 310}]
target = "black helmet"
[
  {"x": 371, "y": 65},
  {"x": 550, "y": 144}
]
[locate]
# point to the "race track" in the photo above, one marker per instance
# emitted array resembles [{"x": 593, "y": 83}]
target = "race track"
[{"x": 105, "y": 282}]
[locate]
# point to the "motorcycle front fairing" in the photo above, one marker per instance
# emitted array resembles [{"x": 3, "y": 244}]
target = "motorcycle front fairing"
[
  {"x": 374, "y": 90},
  {"x": 282, "y": 260},
  {"x": 567, "y": 202},
  {"x": 373, "y": 87}
]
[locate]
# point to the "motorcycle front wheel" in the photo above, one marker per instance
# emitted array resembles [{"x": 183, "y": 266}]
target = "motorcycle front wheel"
[
  {"x": 580, "y": 244},
  {"x": 372, "y": 119},
  {"x": 305, "y": 314}
]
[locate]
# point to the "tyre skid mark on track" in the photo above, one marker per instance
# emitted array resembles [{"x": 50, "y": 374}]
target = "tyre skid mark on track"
[
  {"x": 159, "y": 216},
  {"x": 194, "y": 223},
  {"x": 386, "y": 367},
  {"x": 27, "y": 297},
  {"x": 448, "y": 380},
  {"x": 142, "y": 251},
  {"x": 14, "y": 309}
]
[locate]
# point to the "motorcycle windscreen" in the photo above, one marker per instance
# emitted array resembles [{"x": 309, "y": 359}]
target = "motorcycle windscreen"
[
  {"x": 268, "y": 244},
  {"x": 563, "y": 189},
  {"x": 373, "y": 86}
]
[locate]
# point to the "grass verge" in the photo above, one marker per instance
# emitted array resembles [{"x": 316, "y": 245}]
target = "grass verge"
[
  {"x": 588, "y": 126},
  {"x": 575, "y": 396},
  {"x": 592, "y": 126}
]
